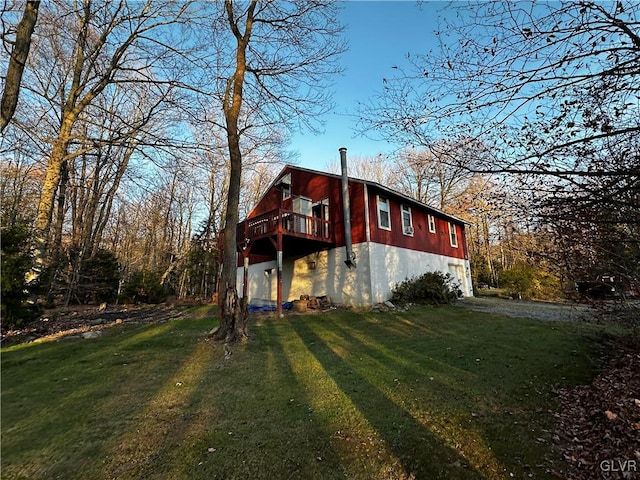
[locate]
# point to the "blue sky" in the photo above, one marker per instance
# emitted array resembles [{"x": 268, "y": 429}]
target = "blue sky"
[{"x": 380, "y": 34}]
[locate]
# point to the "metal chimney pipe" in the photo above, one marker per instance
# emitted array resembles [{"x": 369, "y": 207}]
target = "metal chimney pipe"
[{"x": 346, "y": 208}]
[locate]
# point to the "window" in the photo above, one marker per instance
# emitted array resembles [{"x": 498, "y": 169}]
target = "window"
[
  {"x": 407, "y": 221},
  {"x": 384, "y": 217},
  {"x": 285, "y": 185},
  {"x": 286, "y": 191},
  {"x": 432, "y": 224},
  {"x": 453, "y": 236}
]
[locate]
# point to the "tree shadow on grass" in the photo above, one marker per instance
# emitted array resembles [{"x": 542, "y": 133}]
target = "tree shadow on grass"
[
  {"x": 78, "y": 401},
  {"x": 293, "y": 445},
  {"x": 247, "y": 417},
  {"x": 488, "y": 370},
  {"x": 420, "y": 452}
]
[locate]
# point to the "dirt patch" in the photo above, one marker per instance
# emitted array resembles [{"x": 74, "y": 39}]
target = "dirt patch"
[
  {"x": 548, "y": 311},
  {"x": 74, "y": 321}
]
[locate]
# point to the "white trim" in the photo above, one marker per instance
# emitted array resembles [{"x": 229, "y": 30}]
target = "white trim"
[
  {"x": 453, "y": 235},
  {"x": 432, "y": 223},
  {"x": 406, "y": 229},
  {"x": 367, "y": 220},
  {"x": 380, "y": 200}
]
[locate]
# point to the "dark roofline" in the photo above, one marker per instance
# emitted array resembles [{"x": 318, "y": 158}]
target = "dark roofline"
[{"x": 377, "y": 185}]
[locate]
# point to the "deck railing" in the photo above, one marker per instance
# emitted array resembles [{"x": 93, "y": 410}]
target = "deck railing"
[{"x": 292, "y": 223}]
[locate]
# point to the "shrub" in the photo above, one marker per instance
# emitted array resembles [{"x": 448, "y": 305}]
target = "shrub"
[
  {"x": 526, "y": 281},
  {"x": 143, "y": 287},
  {"x": 433, "y": 288},
  {"x": 90, "y": 280},
  {"x": 15, "y": 308}
]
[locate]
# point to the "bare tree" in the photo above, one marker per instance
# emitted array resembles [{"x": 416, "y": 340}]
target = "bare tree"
[
  {"x": 17, "y": 60},
  {"x": 94, "y": 177},
  {"x": 19, "y": 183},
  {"x": 436, "y": 175},
  {"x": 377, "y": 169},
  {"x": 101, "y": 45},
  {"x": 531, "y": 80},
  {"x": 549, "y": 89},
  {"x": 283, "y": 53}
]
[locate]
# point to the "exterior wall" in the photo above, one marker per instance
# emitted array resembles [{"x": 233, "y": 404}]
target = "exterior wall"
[
  {"x": 330, "y": 277},
  {"x": 391, "y": 265},
  {"x": 316, "y": 186},
  {"x": 422, "y": 239},
  {"x": 379, "y": 268}
]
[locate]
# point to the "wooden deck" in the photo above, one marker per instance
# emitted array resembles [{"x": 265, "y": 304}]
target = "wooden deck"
[{"x": 287, "y": 223}]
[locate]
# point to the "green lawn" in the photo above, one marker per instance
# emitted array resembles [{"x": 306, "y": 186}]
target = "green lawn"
[{"x": 429, "y": 393}]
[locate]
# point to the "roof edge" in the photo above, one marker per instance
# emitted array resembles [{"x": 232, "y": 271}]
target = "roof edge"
[{"x": 373, "y": 184}]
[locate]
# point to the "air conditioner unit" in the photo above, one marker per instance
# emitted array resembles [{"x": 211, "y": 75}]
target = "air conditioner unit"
[{"x": 408, "y": 230}]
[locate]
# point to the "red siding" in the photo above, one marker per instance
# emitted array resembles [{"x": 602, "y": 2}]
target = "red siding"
[
  {"x": 317, "y": 186},
  {"x": 422, "y": 239}
]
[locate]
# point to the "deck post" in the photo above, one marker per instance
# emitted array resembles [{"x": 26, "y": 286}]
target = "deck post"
[
  {"x": 279, "y": 230},
  {"x": 245, "y": 278},
  {"x": 279, "y": 289}
]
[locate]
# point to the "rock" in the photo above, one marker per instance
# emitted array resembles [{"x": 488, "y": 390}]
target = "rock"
[
  {"x": 68, "y": 337},
  {"x": 91, "y": 334},
  {"x": 389, "y": 304}
]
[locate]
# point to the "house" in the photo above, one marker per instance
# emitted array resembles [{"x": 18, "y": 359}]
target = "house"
[{"x": 298, "y": 240}]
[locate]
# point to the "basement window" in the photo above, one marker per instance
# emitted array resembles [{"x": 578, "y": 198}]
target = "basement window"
[
  {"x": 384, "y": 216},
  {"x": 453, "y": 235},
  {"x": 407, "y": 221}
]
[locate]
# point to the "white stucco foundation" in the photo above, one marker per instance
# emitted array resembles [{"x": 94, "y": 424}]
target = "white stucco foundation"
[
  {"x": 379, "y": 268},
  {"x": 391, "y": 265}
]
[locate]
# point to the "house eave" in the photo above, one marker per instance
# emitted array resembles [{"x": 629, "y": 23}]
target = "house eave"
[{"x": 369, "y": 183}]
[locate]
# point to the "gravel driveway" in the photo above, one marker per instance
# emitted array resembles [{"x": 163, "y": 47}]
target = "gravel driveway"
[{"x": 560, "y": 312}]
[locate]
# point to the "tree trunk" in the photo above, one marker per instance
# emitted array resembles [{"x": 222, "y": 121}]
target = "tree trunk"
[
  {"x": 230, "y": 330},
  {"x": 17, "y": 62},
  {"x": 60, "y": 211},
  {"x": 234, "y": 309},
  {"x": 233, "y": 312},
  {"x": 46, "y": 203}
]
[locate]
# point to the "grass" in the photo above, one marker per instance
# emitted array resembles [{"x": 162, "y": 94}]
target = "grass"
[
  {"x": 429, "y": 393},
  {"x": 493, "y": 292}
]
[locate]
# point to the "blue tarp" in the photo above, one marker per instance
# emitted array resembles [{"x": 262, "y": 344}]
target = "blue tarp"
[{"x": 261, "y": 305}]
